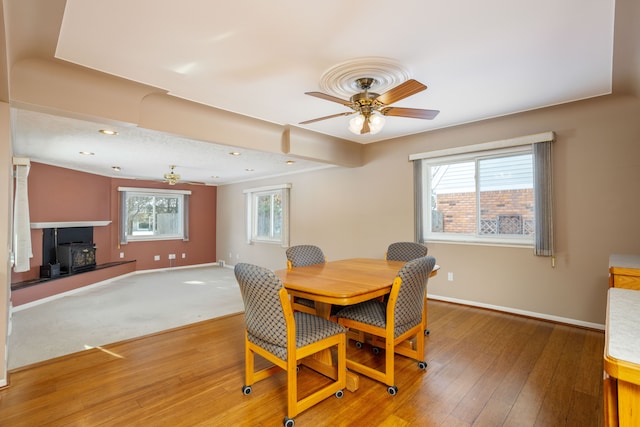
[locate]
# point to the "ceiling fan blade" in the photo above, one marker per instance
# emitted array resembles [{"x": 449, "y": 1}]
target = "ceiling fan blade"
[
  {"x": 414, "y": 113},
  {"x": 348, "y": 113},
  {"x": 406, "y": 89},
  {"x": 329, "y": 98}
]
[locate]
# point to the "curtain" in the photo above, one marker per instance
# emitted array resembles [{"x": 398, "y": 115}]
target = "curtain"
[
  {"x": 417, "y": 202},
  {"x": 543, "y": 198},
  {"x": 285, "y": 217},
  {"x": 21, "y": 221},
  {"x": 123, "y": 217},
  {"x": 185, "y": 218}
]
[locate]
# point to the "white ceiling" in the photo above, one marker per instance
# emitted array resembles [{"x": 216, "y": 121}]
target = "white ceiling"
[{"x": 256, "y": 58}]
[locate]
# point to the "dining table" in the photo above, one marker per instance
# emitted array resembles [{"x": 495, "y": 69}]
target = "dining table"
[{"x": 342, "y": 282}]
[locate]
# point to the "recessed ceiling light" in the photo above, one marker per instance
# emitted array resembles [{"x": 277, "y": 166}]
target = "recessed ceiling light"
[
  {"x": 215, "y": 176},
  {"x": 116, "y": 168},
  {"x": 249, "y": 169},
  {"x": 87, "y": 153},
  {"x": 108, "y": 132},
  {"x": 234, "y": 153},
  {"x": 290, "y": 162}
]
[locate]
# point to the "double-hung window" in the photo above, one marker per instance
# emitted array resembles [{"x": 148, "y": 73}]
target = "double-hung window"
[
  {"x": 268, "y": 214},
  {"x": 153, "y": 214},
  {"x": 495, "y": 193}
]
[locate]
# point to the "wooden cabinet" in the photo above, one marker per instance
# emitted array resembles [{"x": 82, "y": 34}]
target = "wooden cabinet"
[
  {"x": 624, "y": 271},
  {"x": 622, "y": 359}
]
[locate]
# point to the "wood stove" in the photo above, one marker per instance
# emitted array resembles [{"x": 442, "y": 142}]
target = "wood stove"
[{"x": 76, "y": 257}]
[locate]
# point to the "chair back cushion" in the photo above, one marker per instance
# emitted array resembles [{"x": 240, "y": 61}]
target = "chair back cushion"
[
  {"x": 410, "y": 302},
  {"x": 303, "y": 255},
  {"x": 405, "y": 251},
  {"x": 263, "y": 312}
]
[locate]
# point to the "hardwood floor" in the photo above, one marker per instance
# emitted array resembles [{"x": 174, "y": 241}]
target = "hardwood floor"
[{"x": 484, "y": 368}]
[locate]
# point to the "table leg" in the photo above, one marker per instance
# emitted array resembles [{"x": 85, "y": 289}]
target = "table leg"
[
  {"x": 323, "y": 361},
  {"x": 628, "y": 403}
]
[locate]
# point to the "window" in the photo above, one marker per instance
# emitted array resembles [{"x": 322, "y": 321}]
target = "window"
[
  {"x": 487, "y": 196},
  {"x": 483, "y": 194},
  {"x": 150, "y": 214},
  {"x": 268, "y": 214}
]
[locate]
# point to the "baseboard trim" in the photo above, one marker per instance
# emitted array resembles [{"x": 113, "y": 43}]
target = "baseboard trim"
[{"x": 543, "y": 316}]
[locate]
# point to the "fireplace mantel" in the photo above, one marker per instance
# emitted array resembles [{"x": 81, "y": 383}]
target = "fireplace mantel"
[{"x": 66, "y": 224}]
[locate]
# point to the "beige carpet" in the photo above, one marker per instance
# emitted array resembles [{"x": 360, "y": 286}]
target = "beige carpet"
[{"x": 129, "y": 307}]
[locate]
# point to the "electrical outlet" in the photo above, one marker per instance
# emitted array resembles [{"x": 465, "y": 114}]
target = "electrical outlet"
[
  {"x": 172, "y": 256},
  {"x": 450, "y": 276},
  {"x": 156, "y": 258},
  {"x": 121, "y": 254}
]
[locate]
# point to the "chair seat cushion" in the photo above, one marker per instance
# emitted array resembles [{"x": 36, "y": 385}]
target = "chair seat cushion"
[
  {"x": 309, "y": 329},
  {"x": 305, "y": 302},
  {"x": 373, "y": 312}
]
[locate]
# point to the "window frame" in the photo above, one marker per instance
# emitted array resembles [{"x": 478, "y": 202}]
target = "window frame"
[
  {"x": 252, "y": 216},
  {"x": 472, "y": 157},
  {"x": 183, "y": 211}
]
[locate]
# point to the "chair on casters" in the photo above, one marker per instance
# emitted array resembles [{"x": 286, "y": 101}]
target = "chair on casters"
[
  {"x": 283, "y": 337},
  {"x": 407, "y": 251},
  {"x": 395, "y": 322},
  {"x": 301, "y": 256}
]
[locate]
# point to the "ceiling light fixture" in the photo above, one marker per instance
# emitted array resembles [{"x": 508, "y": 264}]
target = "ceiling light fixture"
[
  {"x": 290, "y": 162},
  {"x": 87, "y": 153},
  {"x": 108, "y": 132},
  {"x": 376, "y": 123},
  {"x": 172, "y": 177},
  {"x": 234, "y": 153},
  {"x": 116, "y": 168}
]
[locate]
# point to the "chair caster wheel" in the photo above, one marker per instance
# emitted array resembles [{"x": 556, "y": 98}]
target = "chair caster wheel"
[
  {"x": 392, "y": 390},
  {"x": 246, "y": 389},
  {"x": 426, "y": 332},
  {"x": 358, "y": 344},
  {"x": 339, "y": 394},
  {"x": 422, "y": 365},
  {"x": 288, "y": 422},
  {"x": 375, "y": 350}
]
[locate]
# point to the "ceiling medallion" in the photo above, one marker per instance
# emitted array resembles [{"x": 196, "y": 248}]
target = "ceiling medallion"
[{"x": 341, "y": 79}]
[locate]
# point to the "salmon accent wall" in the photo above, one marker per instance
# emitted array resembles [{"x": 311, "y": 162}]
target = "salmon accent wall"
[{"x": 60, "y": 195}]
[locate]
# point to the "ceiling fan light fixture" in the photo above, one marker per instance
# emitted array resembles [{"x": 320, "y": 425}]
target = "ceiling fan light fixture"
[
  {"x": 172, "y": 178},
  {"x": 355, "y": 124},
  {"x": 376, "y": 123}
]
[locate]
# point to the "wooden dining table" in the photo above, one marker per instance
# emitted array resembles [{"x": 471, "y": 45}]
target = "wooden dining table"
[{"x": 342, "y": 282}]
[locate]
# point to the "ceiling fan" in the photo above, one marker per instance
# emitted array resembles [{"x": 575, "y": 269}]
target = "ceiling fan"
[
  {"x": 371, "y": 107},
  {"x": 172, "y": 177}
]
